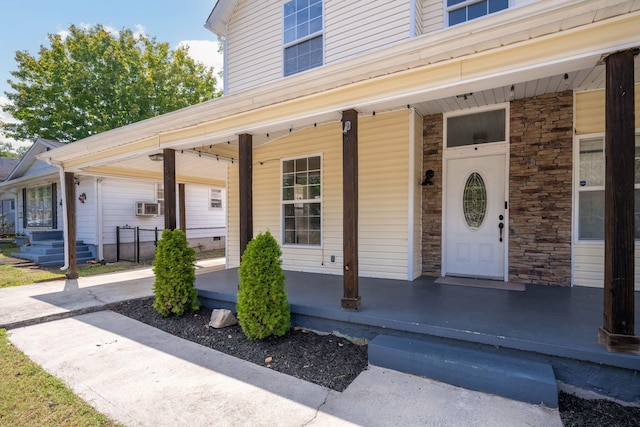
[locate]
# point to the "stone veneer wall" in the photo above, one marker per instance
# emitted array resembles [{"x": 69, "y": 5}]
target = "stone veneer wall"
[
  {"x": 432, "y": 196},
  {"x": 540, "y": 196},
  {"x": 540, "y": 177}
]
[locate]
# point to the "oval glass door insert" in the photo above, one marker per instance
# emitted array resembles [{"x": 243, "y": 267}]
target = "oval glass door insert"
[{"x": 474, "y": 200}]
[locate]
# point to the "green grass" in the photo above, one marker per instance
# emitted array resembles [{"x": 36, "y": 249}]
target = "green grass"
[
  {"x": 15, "y": 275},
  {"x": 32, "y": 397}
]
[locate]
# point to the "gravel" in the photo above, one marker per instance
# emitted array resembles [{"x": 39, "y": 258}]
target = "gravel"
[{"x": 332, "y": 361}]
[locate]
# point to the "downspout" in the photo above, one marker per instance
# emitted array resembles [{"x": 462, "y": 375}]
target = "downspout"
[
  {"x": 412, "y": 189},
  {"x": 99, "y": 236},
  {"x": 225, "y": 59},
  {"x": 412, "y": 19},
  {"x": 65, "y": 223}
]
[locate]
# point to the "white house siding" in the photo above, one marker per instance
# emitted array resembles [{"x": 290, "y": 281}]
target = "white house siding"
[
  {"x": 203, "y": 222},
  {"x": 87, "y": 212},
  {"x": 254, "y": 49},
  {"x": 417, "y": 16},
  {"x": 383, "y": 196},
  {"x": 233, "y": 215},
  {"x": 588, "y": 258},
  {"x": 588, "y": 266},
  {"x": 432, "y": 16},
  {"x": 353, "y": 28},
  {"x": 118, "y": 206},
  {"x": 350, "y": 28},
  {"x": 325, "y": 140},
  {"x": 118, "y": 210}
]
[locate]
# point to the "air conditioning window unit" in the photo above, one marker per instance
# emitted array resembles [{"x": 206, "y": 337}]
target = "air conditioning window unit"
[{"x": 146, "y": 208}]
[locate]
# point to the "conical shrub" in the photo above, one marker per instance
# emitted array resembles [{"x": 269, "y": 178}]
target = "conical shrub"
[
  {"x": 263, "y": 309},
  {"x": 175, "y": 275}
]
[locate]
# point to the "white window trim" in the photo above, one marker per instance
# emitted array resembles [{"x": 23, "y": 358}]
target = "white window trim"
[
  {"x": 577, "y": 189},
  {"x": 156, "y": 187},
  {"x": 463, "y": 150},
  {"x": 301, "y": 40},
  {"x": 320, "y": 200},
  {"x": 466, "y": 3},
  {"x": 221, "y": 198}
]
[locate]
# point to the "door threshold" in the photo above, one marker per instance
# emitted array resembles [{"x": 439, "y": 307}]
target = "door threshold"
[{"x": 481, "y": 283}]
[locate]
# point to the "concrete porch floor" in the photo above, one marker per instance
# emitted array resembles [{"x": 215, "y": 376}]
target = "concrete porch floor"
[{"x": 554, "y": 325}]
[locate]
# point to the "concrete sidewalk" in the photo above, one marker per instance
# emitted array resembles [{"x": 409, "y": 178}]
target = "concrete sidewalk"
[
  {"x": 40, "y": 302},
  {"x": 140, "y": 376}
]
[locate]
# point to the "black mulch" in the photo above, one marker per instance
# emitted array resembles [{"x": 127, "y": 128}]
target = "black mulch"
[
  {"x": 332, "y": 361},
  {"x": 326, "y": 360}
]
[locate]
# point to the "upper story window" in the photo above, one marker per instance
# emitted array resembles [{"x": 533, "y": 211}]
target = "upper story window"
[
  {"x": 459, "y": 11},
  {"x": 303, "y": 43}
]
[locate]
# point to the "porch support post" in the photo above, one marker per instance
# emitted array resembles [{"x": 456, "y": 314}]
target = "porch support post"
[
  {"x": 70, "y": 226},
  {"x": 245, "y": 152},
  {"x": 351, "y": 299},
  {"x": 617, "y": 334},
  {"x": 169, "y": 156},
  {"x": 183, "y": 208}
]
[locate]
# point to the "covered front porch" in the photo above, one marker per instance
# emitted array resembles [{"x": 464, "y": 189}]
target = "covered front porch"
[{"x": 557, "y": 326}]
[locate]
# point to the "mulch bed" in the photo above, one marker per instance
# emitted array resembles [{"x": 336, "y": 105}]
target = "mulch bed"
[{"x": 332, "y": 361}]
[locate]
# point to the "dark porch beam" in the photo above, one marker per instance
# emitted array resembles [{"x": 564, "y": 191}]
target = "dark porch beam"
[
  {"x": 245, "y": 152},
  {"x": 70, "y": 226},
  {"x": 617, "y": 334},
  {"x": 169, "y": 158},
  {"x": 351, "y": 298},
  {"x": 183, "y": 208}
]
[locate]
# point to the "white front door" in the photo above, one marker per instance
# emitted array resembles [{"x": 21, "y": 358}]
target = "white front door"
[{"x": 475, "y": 217}]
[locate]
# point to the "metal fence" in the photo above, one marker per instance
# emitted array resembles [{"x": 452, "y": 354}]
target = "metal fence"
[{"x": 128, "y": 237}]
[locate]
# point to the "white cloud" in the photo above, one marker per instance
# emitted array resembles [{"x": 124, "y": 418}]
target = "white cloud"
[
  {"x": 8, "y": 118},
  {"x": 205, "y": 51}
]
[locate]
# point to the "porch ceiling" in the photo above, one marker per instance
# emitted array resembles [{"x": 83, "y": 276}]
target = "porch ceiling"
[{"x": 191, "y": 167}]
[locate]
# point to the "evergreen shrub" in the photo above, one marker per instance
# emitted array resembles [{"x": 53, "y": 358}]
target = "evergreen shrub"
[
  {"x": 263, "y": 309},
  {"x": 175, "y": 275}
]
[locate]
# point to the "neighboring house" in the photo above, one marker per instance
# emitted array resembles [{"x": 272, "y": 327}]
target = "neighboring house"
[
  {"x": 335, "y": 112},
  {"x": 7, "y": 203},
  {"x": 102, "y": 205}
]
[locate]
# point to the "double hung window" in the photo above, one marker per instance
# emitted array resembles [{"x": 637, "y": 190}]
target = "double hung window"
[
  {"x": 160, "y": 197},
  {"x": 459, "y": 11},
  {"x": 303, "y": 39},
  {"x": 590, "y": 189},
  {"x": 215, "y": 199},
  {"x": 302, "y": 201},
  {"x": 39, "y": 206}
]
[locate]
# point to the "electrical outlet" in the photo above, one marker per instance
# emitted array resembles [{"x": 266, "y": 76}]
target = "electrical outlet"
[{"x": 333, "y": 258}]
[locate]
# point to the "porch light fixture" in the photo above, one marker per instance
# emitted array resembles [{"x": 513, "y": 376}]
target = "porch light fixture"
[
  {"x": 76, "y": 181},
  {"x": 428, "y": 176},
  {"x": 156, "y": 157}
]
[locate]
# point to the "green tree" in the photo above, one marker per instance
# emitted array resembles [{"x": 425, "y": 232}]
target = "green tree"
[
  {"x": 92, "y": 81},
  {"x": 7, "y": 150},
  {"x": 175, "y": 275},
  {"x": 263, "y": 309}
]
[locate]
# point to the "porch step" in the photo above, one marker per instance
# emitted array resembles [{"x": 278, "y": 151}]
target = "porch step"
[
  {"x": 474, "y": 369},
  {"x": 50, "y": 253}
]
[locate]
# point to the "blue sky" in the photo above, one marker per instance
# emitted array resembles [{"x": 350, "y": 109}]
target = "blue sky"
[{"x": 24, "y": 25}]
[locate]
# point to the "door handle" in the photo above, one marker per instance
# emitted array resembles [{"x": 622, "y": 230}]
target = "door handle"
[{"x": 501, "y": 227}]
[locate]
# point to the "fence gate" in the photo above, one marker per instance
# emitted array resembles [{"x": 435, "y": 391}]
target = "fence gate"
[{"x": 128, "y": 241}]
